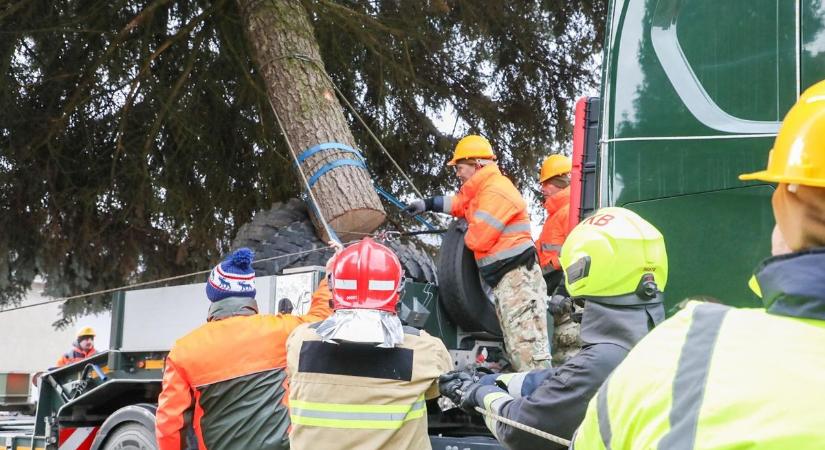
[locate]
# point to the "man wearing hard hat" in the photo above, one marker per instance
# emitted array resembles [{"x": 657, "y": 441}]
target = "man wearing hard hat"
[
  {"x": 554, "y": 180},
  {"x": 498, "y": 233},
  {"x": 706, "y": 377},
  {"x": 82, "y": 348}
]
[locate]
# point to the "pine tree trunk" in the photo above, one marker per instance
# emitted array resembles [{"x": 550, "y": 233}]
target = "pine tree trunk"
[{"x": 288, "y": 58}]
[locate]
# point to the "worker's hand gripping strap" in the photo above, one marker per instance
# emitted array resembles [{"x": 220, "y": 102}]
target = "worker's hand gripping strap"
[{"x": 436, "y": 204}]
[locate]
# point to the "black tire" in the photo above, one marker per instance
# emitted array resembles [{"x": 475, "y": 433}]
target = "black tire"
[
  {"x": 283, "y": 229},
  {"x": 286, "y": 228},
  {"x": 418, "y": 265},
  {"x": 460, "y": 289},
  {"x": 131, "y": 436}
]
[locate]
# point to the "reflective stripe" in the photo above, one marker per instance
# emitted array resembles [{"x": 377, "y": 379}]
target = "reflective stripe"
[
  {"x": 492, "y": 402},
  {"x": 382, "y": 285},
  {"x": 345, "y": 284},
  {"x": 516, "y": 228},
  {"x": 692, "y": 376},
  {"x": 604, "y": 415},
  {"x": 489, "y": 220},
  {"x": 550, "y": 248},
  {"x": 513, "y": 382},
  {"x": 341, "y": 415},
  {"x": 504, "y": 254}
]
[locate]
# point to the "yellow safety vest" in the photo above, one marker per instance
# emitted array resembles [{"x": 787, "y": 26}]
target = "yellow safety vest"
[{"x": 714, "y": 377}]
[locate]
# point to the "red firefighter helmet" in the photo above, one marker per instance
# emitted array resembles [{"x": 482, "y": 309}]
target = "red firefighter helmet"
[{"x": 366, "y": 275}]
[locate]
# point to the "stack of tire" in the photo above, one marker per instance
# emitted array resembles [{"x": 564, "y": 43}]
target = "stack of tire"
[{"x": 284, "y": 232}]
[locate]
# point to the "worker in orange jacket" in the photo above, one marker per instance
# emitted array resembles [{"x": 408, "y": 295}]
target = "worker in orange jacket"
[
  {"x": 555, "y": 187},
  {"x": 82, "y": 348},
  {"x": 498, "y": 233},
  {"x": 224, "y": 384}
]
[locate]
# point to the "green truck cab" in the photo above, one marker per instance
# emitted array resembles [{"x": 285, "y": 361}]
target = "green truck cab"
[{"x": 692, "y": 95}]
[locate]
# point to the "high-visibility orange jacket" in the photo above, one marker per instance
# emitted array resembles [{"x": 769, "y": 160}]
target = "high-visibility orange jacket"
[
  {"x": 74, "y": 355},
  {"x": 498, "y": 225},
  {"x": 225, "y": 384},
  {"x": 555, "y": 230}
]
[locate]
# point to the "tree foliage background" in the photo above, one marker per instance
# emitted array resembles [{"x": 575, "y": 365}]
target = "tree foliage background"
[{"x": 135, "y": 135}]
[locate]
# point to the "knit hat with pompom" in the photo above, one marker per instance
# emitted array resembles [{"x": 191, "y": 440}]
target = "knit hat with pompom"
[{"x": 234, "y": 277}]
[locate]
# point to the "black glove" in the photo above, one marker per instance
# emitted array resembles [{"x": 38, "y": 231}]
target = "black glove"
[
  {"x": 560, "y": 305},
  {"x": 453, "y": 384},
  {"x": 469, "y": 400}
]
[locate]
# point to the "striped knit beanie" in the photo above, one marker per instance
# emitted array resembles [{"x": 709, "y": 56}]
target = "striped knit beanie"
[{"x": 234, "y": 277}]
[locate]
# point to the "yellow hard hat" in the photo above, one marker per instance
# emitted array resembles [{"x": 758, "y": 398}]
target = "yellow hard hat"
[
  {"x": 472, "y": 147},
  {"x": 615, "y": 257},
  {"x": 555, "y": 165},
  {"x": 798, "y": 154},
  {"x": 85, "y": 331}
]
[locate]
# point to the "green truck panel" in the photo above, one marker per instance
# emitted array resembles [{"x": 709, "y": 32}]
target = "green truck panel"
[{"x": 694, "y": 93}]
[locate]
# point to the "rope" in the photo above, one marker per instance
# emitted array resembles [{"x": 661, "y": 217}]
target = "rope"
[
  {"x": 329, "y": 230},
  {"x": 149, "y": 283},
  {"x": 374, "y": 137},
  {"x": 523, "y": 427},
  {"x": 202, "y": 272},
  {"x": 416, "y": 233}
]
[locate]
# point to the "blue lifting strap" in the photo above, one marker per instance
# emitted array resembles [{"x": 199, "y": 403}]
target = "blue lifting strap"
[
  {"x": 331, "y": 165},
  {"x": 328, "y": 146},
  {"x": 359, "y": 162},
  {"x": 392, "y": 199}
]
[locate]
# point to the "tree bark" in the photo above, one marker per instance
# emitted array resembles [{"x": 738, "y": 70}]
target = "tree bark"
[{"x": 286, "y": 52}]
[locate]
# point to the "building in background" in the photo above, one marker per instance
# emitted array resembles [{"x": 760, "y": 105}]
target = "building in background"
[{"x": 29, "y": 341}]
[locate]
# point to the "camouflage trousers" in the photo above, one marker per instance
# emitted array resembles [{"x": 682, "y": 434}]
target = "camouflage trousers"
[
  {"x": 522, "y": 313},
  {"x": 566, "y": 339}
]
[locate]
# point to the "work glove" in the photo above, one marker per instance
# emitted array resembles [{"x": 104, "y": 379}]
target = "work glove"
[
  {"x": 453, "y": 384},
  {"x": 560, "y": 305},
  {"x": 470, "y": 398},
  {"x": 416, "y": 207}
]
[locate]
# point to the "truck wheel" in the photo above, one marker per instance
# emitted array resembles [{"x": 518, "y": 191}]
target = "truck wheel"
[
  {"x": 131, "y": 436},
  {"x": 283, "y": 229},
  {"x": 286, "y": 228},
  {"x": 417, "y": 264},
  {"x": 466, "y": 300}
]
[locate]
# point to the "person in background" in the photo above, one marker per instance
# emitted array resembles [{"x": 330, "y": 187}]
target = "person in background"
[
  {"x": 82, "y": 348},
  {"x": 554, "y": 179}
]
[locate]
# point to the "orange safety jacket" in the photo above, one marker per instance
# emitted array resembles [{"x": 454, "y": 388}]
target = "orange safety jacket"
[
  {"x": 74, "y": 355},
  {"x": 224, "y": 384},
  {"x": 498, "y": 226},
  {"x": 555, "y": 230}
]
